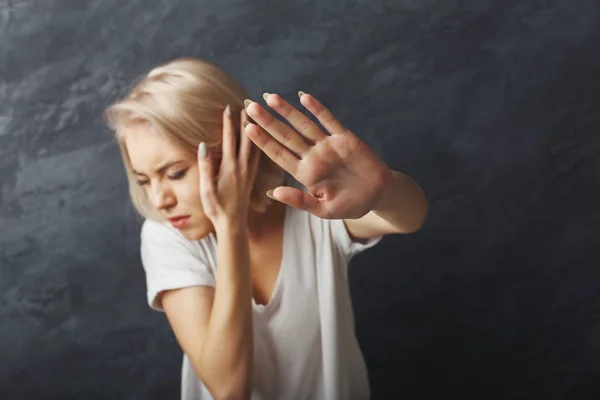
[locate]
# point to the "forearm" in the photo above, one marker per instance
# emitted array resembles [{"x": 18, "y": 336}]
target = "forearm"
[
  {"x": 403, "y": 204},
  {"x": 227, "y": 351}
]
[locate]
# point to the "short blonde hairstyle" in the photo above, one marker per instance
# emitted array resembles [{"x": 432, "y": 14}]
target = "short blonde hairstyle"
[{"x": 184, "y": 99}]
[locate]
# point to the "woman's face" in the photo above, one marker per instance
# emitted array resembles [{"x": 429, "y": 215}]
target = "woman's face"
[{"x": 169, "y": 176}]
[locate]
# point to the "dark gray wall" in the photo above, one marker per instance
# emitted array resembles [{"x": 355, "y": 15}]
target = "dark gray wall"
[{"x": 492, "y": 105}]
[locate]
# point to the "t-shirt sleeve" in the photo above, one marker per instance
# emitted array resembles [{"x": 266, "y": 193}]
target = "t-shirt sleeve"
[
  {"x": 344, "y": 241},
  {"x": 171, "y": 261}
]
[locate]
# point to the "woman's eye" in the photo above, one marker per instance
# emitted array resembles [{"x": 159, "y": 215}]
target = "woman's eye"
[
  {"x": 175, "y": 176},
  {"x": 178, "y": 175}
]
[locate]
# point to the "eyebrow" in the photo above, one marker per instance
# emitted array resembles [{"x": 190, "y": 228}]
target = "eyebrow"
[{"x": 162, "y": 169}]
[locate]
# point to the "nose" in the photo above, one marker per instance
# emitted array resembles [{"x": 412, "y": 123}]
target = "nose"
[{"x": 162, "y": 197}]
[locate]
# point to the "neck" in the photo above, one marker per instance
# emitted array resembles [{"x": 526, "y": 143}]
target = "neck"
[{"x": 262, "y": 225}]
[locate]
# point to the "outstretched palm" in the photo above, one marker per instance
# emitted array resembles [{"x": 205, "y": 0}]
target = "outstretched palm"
[{"x": 344, "y": 176}]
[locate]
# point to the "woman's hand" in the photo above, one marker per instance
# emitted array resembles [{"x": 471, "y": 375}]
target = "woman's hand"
[
  {"x": 226, "y": 199},
  {"x": 345, "y": 177}
]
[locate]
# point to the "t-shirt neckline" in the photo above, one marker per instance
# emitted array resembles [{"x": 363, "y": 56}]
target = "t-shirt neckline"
[{"x": 267, "y": 309}]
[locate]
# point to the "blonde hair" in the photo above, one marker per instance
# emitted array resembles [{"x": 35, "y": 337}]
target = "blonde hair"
[{"x": 184, "y": 99}]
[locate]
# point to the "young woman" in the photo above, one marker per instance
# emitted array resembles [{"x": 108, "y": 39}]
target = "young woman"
[{"x": 255, "y": 290}]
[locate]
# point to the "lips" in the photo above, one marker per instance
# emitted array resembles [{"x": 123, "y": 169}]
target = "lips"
[
  {"x": 179, "y": 221},
  {"x": 178, "y": 218}
]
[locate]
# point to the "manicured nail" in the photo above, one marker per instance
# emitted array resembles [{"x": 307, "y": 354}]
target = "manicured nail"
[
  {"x": 228, "y": 110},
  {"x": 301, "y": 93},
  {"x": 203, "y": 150},
  {"x": 266, "y": 95},
  {"x": 247, "y": 102},
  {"x": 270, "y": 194}
]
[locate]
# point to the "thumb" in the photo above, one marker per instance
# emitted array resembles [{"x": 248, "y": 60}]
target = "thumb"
[{"x": 297, "y": 198}]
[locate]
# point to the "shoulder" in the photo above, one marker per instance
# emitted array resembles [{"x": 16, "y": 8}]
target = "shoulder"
[
  {"x": 171, "y": 261},
  {"x": 163, "y": 246},
  {"x": 154, "y": 230},
  {"x": 161, "y": 237}
]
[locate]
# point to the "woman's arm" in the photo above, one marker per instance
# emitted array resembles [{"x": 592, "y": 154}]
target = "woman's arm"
[{"x": 214, "y": 326}]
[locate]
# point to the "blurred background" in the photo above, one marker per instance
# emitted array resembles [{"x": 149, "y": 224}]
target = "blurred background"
[{"x": 493, "y": 106}]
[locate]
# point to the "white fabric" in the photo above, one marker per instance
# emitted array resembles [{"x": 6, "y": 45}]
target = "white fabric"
[{"x": 305, "y": 345}]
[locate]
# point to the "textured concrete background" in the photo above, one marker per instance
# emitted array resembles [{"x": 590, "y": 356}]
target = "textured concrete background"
[{"x": 494, "y": 106}]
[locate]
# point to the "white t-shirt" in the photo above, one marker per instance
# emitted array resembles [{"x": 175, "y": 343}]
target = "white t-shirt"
[{"x": 304, "y": 341}]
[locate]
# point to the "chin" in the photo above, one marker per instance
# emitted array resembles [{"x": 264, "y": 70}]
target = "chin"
[{"x": 197, "y": 232}]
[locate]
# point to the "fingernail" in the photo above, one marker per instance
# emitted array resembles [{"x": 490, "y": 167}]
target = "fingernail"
[
  {"x": 270, "y": 194},
  {"x": 266, "y": 95},
  {"x": 301, "y": 93},
  {"x": 203, "y": 150},
  {"x": 228, "y": 110},
  {"x": 247, "y": 102}
]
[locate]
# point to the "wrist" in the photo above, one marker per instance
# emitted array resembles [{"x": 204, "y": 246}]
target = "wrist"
[
  {"x": 386, "y": 189},
  {"x": 230, "y": 227}
]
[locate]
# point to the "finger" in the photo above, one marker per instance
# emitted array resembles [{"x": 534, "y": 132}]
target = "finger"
[
  {"x": 272, "y": 148},
  {"x": 216, "y": 158},
  {"x": 280, "y": 131},
  {"x": 298, "y": 120},
  {"x": 229, "y": 150},
  {"x": 300, "y": 200},
  {"x": 255, "y": 152},
  {"x": 245, "y": 142},
  {"x": 325, "y": 117},
  {"x": 205, "y": 169},
  {"x": 250, "y": 153},
  {"x": 253, "y": 164}
]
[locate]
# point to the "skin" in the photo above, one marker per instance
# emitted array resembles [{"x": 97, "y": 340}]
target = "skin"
[
  {"x": 213, "y": 325},
  {"x": 175, "y": 191},
  {"x": 345, "y": 177},
  {"x": 346, "y": 180}
]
